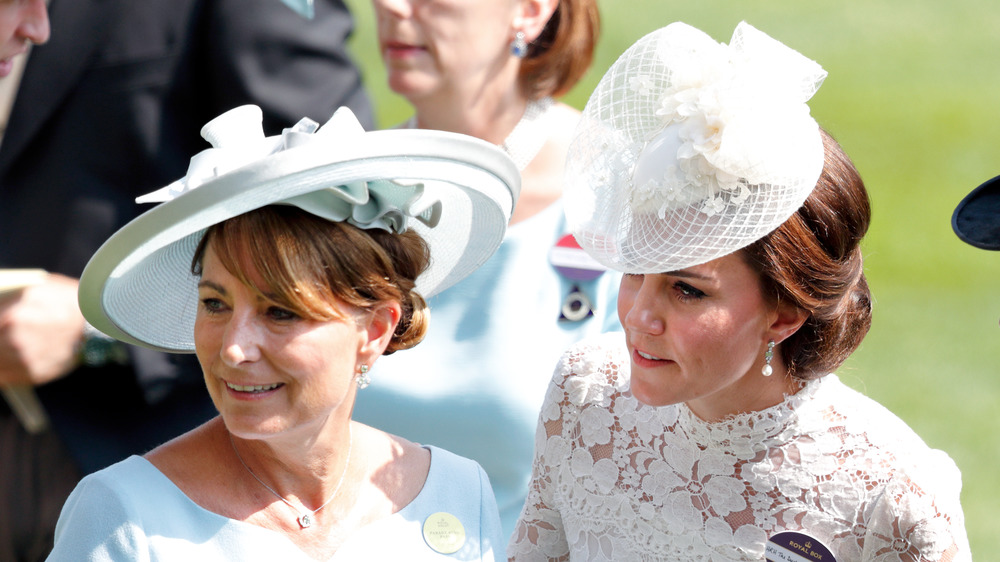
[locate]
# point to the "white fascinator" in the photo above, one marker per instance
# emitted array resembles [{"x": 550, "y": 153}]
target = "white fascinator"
[{"x": 690, "y": 149}]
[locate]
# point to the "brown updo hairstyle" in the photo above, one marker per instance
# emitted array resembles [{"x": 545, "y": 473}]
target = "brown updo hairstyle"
[
  {"x": 309, "y": 265},
  {"x": 562, "y": 53},
  {"x": 813, "y": 261}
]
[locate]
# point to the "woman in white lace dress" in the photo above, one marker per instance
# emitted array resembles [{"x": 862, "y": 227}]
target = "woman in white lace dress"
[{"x": 716, "y": 429}]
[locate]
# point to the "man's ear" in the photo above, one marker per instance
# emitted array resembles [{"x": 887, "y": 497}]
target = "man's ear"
[
  {"x": 378, "y": 326},
  {"x": 532, "y": 17}
]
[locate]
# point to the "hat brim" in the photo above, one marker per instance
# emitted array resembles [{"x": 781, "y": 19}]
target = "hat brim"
[
  {"x": 976, "y": 219},
  {"x": 139, "y": 288}
]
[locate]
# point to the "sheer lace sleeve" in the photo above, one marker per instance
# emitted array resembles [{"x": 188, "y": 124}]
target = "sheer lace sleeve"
[
  {"x": 587, "y": 373},
  {"x": 910, "y": 523},
  {"x": 914, "y": 512}
]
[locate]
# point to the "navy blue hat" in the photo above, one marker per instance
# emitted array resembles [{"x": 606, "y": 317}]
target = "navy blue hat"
[{"x": 977, "y": 218}]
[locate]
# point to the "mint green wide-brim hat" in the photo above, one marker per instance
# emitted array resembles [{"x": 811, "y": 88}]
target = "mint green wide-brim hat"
[{"x": 456, "y": 191}]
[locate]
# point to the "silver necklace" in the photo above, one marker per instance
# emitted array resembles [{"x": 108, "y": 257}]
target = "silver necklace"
[
  {"x": 527, "y": 137},
  {"x": 305, "y": 517}
]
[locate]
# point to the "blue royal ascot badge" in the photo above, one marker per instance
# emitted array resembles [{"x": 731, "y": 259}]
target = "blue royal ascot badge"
[
  {"x": 573, "y": 263},
  {"x": 789, "y": 546}
]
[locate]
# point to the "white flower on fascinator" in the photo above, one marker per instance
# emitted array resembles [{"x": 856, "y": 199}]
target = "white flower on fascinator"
[
  {"x": 717, "y": 94},
  {"x": 712, "y": 147},
  {"x": 642, "y": 85}
]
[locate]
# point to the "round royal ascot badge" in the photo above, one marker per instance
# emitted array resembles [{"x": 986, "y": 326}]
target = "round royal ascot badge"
[
  {"x": 444, "y": 533},
  {"x": 576, "y": 306},
  {"x": 789, "y": 546},
  {"x": 573, "y": 263}
]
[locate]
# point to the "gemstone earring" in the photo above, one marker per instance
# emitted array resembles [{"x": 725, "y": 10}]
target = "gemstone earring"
[
  {"x": 363, "y": 379},
  {"x": 768, "y": 355},
  {"x": 519, "y": 47}
]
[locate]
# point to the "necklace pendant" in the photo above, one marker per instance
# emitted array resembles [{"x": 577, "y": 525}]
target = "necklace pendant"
[{"x": 305, "y": 520}]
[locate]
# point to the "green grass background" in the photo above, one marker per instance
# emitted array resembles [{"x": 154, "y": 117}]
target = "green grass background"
[{"x": 914, "y": 97}]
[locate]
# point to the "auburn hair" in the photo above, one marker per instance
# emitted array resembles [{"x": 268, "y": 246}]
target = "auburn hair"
[
  {"x": 562, "y": 53},
  {"x": 814, "y": 261},
  {"x": 311, "y": 265}
]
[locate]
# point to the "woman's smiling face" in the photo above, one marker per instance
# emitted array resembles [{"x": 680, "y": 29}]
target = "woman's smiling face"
[
  {"x": 267, "y": 369},
  {"x": 698, "y": 336}
]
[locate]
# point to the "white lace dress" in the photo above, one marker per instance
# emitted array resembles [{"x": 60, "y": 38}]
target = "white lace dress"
[{"x": 614, "y": 479}]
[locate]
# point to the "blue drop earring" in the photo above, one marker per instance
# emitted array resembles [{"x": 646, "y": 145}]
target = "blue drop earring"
[{"x": 519, "y": 47}]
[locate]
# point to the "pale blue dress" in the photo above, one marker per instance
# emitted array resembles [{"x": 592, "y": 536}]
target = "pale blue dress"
[
  {"x": 475, "y": 384},
  {"x": 130, "y": 512}
]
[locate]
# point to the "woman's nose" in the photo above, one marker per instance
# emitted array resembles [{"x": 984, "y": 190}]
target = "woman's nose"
[
  {"x": 240, "y": 341},
  {"x": 644, "y": 314},
  {"x": 398, "y": 8}
]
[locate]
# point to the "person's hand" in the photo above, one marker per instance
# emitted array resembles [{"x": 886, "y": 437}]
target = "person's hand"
[{"x": 40, "y": 330}]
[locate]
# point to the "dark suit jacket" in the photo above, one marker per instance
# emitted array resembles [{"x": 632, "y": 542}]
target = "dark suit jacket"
[{"x": 111, "y": 108}]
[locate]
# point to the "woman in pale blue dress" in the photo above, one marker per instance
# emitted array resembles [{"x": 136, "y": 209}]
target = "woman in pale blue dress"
[
  {"x": 289, "y": 265},
  {"x": 494, "y": 69}
]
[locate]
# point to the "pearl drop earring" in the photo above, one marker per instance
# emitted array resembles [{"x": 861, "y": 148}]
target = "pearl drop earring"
[{"x": 768, "y": 355}]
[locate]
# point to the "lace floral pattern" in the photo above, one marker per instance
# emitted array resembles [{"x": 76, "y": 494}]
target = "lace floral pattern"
[{"x": 617, "y": 480}]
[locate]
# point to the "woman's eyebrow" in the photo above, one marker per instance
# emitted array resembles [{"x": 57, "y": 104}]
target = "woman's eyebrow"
[
  {"x": 211, "y": 285},
  {"x": 688, "y": 275}
]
